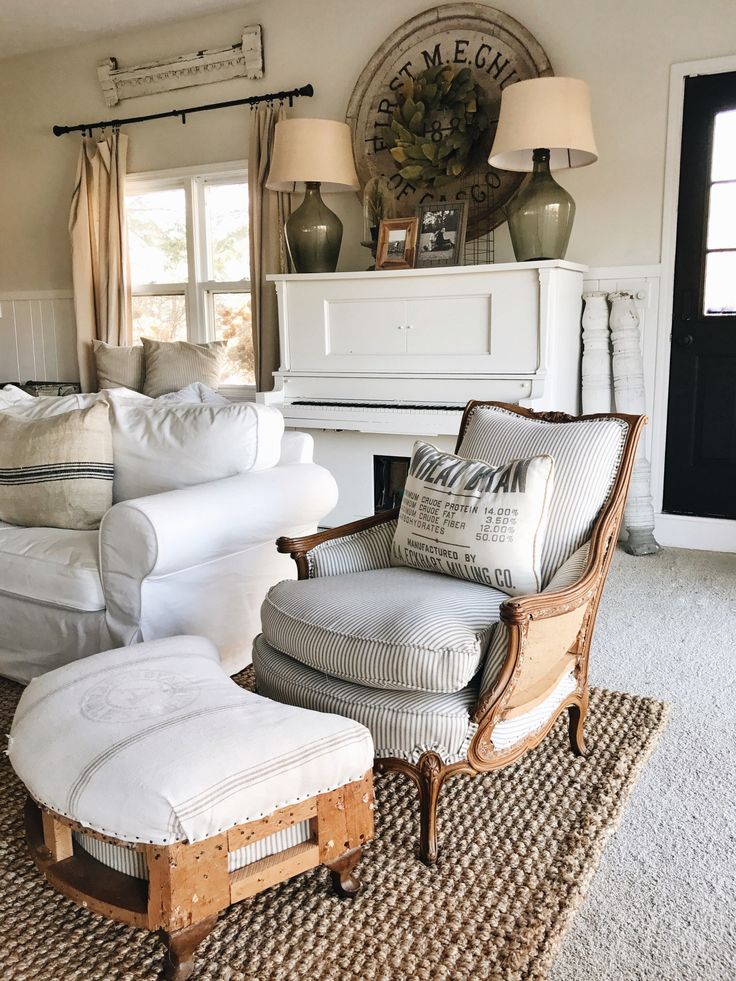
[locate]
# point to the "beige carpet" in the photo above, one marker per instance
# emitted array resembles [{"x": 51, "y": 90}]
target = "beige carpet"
[{"x": 519, "y": 849}]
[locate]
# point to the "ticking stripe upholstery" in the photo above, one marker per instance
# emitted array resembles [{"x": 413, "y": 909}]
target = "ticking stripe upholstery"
[
  {"x": 360, "y": 552},
  {"x": 133, "y": 863},
  {"x": 567, "y": 575},
  {"x": 403, "y": 724},
  {"x": 587, "y": 454},
  {"x": 398, "y": 628}
]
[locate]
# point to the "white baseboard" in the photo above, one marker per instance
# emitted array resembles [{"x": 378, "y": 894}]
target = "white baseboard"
[{"x": 685, "y": 531}]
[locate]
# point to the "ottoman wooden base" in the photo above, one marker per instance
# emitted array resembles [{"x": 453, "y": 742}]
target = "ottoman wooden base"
[{"x": 189, "y": 884}]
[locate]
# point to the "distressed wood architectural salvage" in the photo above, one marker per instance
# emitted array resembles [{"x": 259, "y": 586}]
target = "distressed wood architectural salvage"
[
  {"x": 497, "y": 50},
  {"x": 630, "y": 396},
  {"x": 189, "y": 885},
  {"x": 244, "y": 59},
  {"x": 547, "y": 632}
]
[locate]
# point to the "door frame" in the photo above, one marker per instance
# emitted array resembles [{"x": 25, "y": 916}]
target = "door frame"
[{"x": 684, "y": 531}]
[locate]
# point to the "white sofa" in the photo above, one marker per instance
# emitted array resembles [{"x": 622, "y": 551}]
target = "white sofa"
[{"x": 198, "y": 559}]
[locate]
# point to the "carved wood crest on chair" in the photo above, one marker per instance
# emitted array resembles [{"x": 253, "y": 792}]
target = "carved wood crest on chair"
[{"x": 544, "y": 637}]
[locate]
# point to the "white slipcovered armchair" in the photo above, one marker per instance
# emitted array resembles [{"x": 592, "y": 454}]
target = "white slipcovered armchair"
[{"x": 198, "y": 559}]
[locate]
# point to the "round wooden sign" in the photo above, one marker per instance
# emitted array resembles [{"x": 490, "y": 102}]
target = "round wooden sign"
[{"x": 456, "y": 59}]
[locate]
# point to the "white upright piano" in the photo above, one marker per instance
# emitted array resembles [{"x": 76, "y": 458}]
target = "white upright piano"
[{"x": 372, "y": 360}]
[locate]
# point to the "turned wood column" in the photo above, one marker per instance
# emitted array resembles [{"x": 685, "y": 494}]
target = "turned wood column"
[
  {"x": 630, "y": 396},
  {"x": 596, "y": 370}
]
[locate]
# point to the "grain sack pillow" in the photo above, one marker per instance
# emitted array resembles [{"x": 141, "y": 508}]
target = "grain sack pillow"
[
  {"x": 56, "y": 472},
  {"x": 119, "y": 367},
  {"x": 172, "y": 365},
  {"x": 468, "y": 519}
]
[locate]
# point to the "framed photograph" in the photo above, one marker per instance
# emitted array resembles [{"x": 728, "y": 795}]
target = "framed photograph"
[
  {"x": 397, "y": 243},
  {"x": 441, "y": 233}
]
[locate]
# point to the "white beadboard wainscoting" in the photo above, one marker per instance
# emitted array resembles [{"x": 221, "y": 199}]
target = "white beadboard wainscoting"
[
  {"x": 37, "y": 337},
  {"x": 38, "y": 342}
]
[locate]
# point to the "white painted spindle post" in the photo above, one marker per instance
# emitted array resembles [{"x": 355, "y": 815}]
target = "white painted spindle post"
[
  {"x": 630, "y": 396},
  {"x": 596, "y": 353}
]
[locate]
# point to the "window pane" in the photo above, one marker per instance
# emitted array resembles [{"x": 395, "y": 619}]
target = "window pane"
[
  {"x": 720, "y": 283},
  {"x": 157, "y": 236},
  {"x": 226, "y": 206},
  {"x": 723, "y": 167},
  {"x": 164, "y": 318},
  {"x": 232, "y": 324},
  {"x": 722, "y": 216}
]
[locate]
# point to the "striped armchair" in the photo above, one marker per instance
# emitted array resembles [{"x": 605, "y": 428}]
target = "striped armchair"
[{"x": 450, "y": 676}]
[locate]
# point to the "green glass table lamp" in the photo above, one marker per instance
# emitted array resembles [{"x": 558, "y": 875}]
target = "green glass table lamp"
[
  {"x": 544, "y": 125},
  {"x": 315, "y": 154}
]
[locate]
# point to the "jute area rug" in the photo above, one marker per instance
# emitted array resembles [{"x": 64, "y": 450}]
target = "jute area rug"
[{"x": 518, "y": 850}]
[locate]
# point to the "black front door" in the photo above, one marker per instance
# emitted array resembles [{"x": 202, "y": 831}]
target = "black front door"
[{"x": 700, "y": 461}]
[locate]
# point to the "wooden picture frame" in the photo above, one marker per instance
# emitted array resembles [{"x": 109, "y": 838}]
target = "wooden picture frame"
[
  {"x": 441, "y": 234},
  {"x": 397, "y": 243}
]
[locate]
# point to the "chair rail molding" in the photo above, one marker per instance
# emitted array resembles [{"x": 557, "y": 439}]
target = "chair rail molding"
[
  {"x": 683, "y": 531},
  {"x": 38, "y": 336}
]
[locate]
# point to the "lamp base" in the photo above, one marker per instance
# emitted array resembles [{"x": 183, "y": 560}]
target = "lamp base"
[
  {"x": 313, "y": 234},
  {"x": 542, "y": 214}
]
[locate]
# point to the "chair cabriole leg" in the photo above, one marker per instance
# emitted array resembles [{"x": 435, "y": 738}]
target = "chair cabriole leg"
[
  {"x": 576, "y": 721},
  {"x": 431, "y": 776}
]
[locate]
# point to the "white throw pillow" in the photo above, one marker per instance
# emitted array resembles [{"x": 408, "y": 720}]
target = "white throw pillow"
[
  {"x": 159, "y": 448},
  {"x": 195, "y": 394},
  {"x": 468, "y": 519},
  {"x": 45, "y": 406},
  {"x": 12, "y": 395}
]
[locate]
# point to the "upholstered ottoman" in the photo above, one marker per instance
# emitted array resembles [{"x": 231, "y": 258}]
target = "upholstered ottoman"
[{"x": 161, "y": 792}]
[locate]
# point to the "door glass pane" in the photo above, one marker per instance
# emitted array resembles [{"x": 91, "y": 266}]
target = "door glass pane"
[
  {"x": 157, "y": 236},
  {"x": 720, "y": 283},
  {"x": 722, "y": 216},
  {"x": 226, "y": 207},
  {"x": 163, "y": 318},
  {"x": 232, "y": 324},
  {"x": 723, "y": 167}
]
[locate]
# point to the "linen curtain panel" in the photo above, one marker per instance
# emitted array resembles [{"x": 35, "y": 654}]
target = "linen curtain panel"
[
  {"x": 268, "y": 210},
  {"x": 100, "y": 265}
]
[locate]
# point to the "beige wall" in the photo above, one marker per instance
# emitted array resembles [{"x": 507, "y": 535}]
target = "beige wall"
[{"x": 622, "y": 47}]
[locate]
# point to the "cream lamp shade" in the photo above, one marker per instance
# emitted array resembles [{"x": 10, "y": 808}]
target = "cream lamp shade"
[
  {"x": 551, "y": 113},
  {"x": 307, "y": 150}
]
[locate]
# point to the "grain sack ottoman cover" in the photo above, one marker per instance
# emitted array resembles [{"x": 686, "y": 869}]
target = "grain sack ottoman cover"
[
  {"x": 192, "y": 793},
  {"x": 155, "y": 743}
]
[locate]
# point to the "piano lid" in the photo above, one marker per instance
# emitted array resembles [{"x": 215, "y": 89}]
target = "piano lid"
[{"x": 429, "y": 337}]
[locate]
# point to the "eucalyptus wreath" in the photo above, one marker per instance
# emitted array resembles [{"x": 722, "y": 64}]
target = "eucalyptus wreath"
[{"x": 424, "y": 151}]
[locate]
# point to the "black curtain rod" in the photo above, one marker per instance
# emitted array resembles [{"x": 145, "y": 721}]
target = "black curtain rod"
[{"x": 305, "y": 90}]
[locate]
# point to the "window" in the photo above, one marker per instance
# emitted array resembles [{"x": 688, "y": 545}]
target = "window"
[
  {"x": 720, "y": 258},
  {"x": 188, "y": 241}
]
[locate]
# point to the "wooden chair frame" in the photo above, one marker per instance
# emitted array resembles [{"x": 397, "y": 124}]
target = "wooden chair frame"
[
  {"x": 547, "y": 632},
  {"x": 189, "y": 885}
]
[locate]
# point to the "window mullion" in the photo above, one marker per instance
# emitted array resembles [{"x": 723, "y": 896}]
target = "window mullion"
[{"x": 196, "y": 313}]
